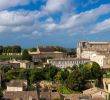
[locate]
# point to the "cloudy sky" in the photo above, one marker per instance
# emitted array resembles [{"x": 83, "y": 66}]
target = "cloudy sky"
[{"x": 53, "y": 22}]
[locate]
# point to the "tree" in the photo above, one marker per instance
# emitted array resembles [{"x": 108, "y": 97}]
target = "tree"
[
  {"x": 64, "y": 74},
  {"x": 58, "y": 76},
  {"x": 26, "y": 55},
  {"x": 96, "y": 71},
  {"x": 16, "y": 49},
  {"x": 11, "y": 74},
  {"x": 33, "y": 49},
  {"x": 1, "y": 49},
  {"x": 36, "y": 75},
  {"x": 50, "y": 72},
  {"x": 92, "y": 70},
  {"x": 75, "y": 80}
]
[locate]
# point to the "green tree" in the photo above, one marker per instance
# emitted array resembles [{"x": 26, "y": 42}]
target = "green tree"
[
  {"x": 58, "y": 76},
  {"x": 11, "y": 74},
  {"x": 92, "y": 70},
  {"x": 33, "y": 49},
  {"x": 16, "y": 49},
  {"x": 75, "y": 80},
  {"x": 26, "y": 55},
  {"x": 36, "y": 75},
  {"x": 96, "y": 71},
  {"x": 64, "y": 74},
  {"x": 1, "y": 49},
  {"x": 50, "y": 72}
]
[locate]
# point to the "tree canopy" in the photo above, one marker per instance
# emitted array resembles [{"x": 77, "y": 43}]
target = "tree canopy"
[{"x": 26, "y": 55}]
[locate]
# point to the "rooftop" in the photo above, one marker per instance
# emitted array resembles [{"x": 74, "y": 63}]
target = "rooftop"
[
  {"x": 17, "y": 83},
  {"x": 93, "y": 90}
]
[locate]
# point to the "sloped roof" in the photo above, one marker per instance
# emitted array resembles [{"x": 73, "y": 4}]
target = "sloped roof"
[
  {"x": 93, "y": 90},
  {"x": 16, "y": 83}
]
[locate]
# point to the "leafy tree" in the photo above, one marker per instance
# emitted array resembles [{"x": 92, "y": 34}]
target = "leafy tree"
[
  {"x": 50, "y": 72},
  {"x": 33, "y": 49},
  {"x": 24, "y": 74},
  {"x": 64, "y": 74},
  {"x": 75, "y": 80},
  {"x": 11, "y": 49},
  {"x": 16, "y": 49},
  {"x": 36, "y": 75},
  {"x": 11, "y": 74},
  {"x": 92, "y": 70},
  {"x": 26, "y": 55},
  {"x": 96, "y": 71},
  {"x": 58, "y": 76},
  {"x": 1, "y": 49}
]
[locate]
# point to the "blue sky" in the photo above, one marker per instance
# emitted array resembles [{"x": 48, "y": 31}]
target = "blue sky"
[{"x": 53, "y": 22}]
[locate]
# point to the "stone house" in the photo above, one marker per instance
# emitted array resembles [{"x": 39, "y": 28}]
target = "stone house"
[
  {"x": 17, "y": 85},
  {"x": 97, "y": 92},
  {"x": 44, "y": 53},
  {"x": 21, "y": 64}
]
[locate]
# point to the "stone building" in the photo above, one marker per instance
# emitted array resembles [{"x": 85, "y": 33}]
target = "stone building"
[
  {"x": 21, "y": 64},
  {"x": 44, "y": 53},
  {"x": 95, "y": 51},
  {"x": 89, "y": 47},
  {"x": 97, "y": 92},
  {"x": 66, "y": 62},
  {"x": 17, "y": 85},
  {"x": 21, "y": 95}
]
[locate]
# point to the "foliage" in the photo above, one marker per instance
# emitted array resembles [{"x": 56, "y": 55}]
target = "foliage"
[
  {"x": 26, "y": 55},
  {"x": 64, "y": 90},
  {"x": 50, "y": 72},
  {"x": 92, "y": 70},
  {"x": 58, "y": 76},
  {"x": 1, "y": 49},
  {"x": 106, "y": 75},
  {"x": 96, "y": 71},
  {"x": 81, "y": 73},
  {"x": 36, "y": 75},
  {"x": 7, "y": 57},
  {"x": 33, "y": 49},
  {"x": 64, "y": 74},
  {"x": 12, "y": 49},
  {"x": 75, "y": 80},
  {"x": 11, "y": 74}
]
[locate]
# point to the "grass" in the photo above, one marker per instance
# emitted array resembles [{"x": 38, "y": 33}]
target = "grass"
[
  {"x": 7, "y": 57},
  {"x": 64, "y": 90}
]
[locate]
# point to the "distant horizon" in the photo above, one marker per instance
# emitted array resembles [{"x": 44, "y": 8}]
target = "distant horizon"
[{"x": 75, "y": 46}]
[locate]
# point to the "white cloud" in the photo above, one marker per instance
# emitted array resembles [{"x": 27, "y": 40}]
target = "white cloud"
[
  {"x": 101, "y": 26},
  {"x": 85, "y": 18},
  {"x": 57, "y": 5},
  {"x": 16, "y": 18},
  {"x": 5, "y": 4},
  {"x": 28, "y": 23}
]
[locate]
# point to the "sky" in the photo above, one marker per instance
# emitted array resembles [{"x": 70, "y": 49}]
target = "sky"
[{"x": 31, "y": 23}]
